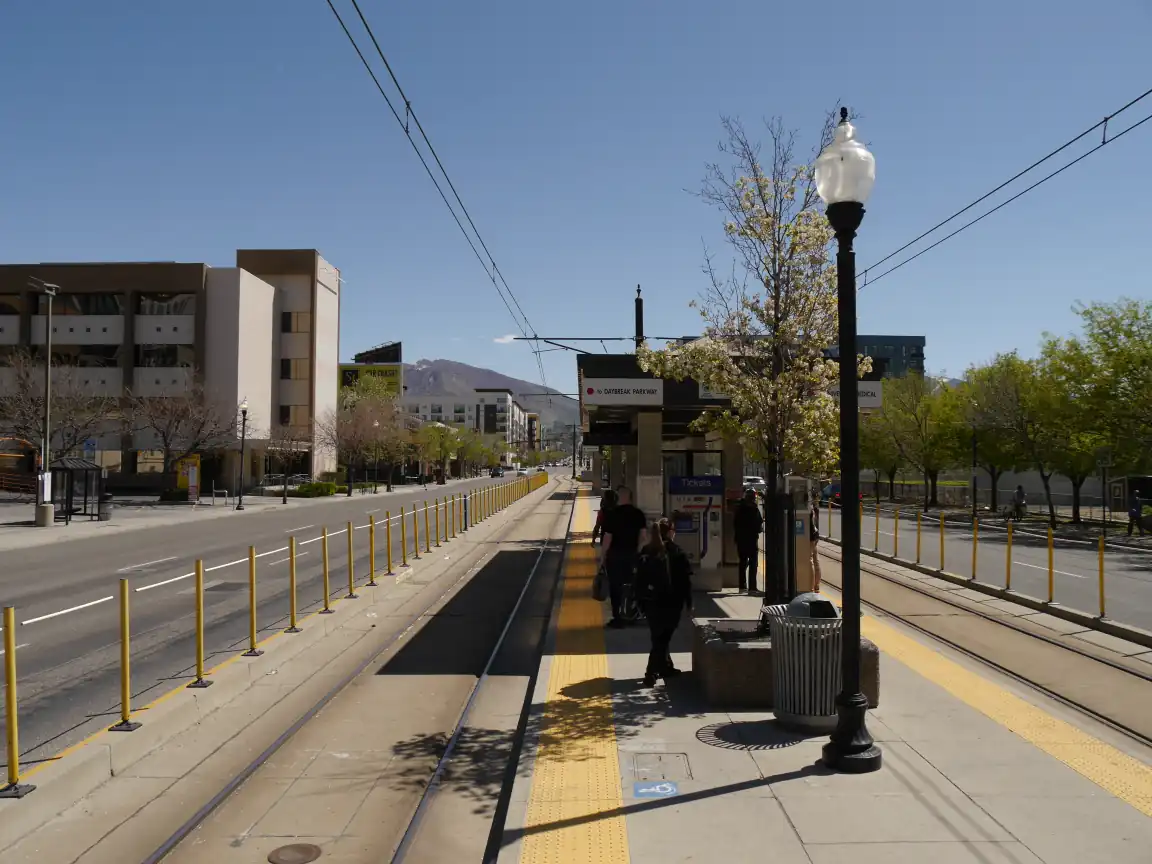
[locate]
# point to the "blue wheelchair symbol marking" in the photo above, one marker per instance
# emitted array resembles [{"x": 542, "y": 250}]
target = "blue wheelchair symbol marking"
[{"x": 654, "y": 790}]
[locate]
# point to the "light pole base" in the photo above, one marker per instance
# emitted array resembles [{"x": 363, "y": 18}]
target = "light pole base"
[
  {"x": 851, "y": 748},
  {"x": 239, "y": 506}
]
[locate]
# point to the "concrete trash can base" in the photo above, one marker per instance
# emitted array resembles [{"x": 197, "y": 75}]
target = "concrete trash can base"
[{"x": 806, "y": 663}]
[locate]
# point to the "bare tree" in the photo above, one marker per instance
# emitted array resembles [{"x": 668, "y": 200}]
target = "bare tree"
[
  {"x": 286, "y": 443},
  {"x": 78, "y": 413},
  {"x": 183, "y": 423}
]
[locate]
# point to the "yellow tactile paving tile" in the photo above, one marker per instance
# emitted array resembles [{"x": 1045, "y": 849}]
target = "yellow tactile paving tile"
[
  {"x": 577, "y": 773},
  {"x": 1128, "y": 779}
]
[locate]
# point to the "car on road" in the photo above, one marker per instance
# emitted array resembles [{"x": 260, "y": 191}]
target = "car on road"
[
  {"x": 496, "y": 472},
  {"x": 756, "y": 484},
  {"x": 831, "y": 493},
  {"x": 521, "y": 472}
]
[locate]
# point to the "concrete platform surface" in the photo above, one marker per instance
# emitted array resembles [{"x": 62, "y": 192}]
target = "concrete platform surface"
[{"x": 977, "y": 766}]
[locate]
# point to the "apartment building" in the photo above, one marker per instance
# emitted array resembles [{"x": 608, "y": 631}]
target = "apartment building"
[
  {"x": 487, "y": 411},
  {"x": 265, "y": 331}
]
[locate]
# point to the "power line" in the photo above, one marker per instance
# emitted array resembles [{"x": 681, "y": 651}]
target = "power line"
[
  {"x": 1104, "y": 142},
  {"x": 522, "y": 322}
]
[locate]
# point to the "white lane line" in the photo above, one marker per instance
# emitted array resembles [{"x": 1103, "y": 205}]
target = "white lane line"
[
  {"x": 301, "y": 528},
  {"x": 374, "y": 510},
  {"x": 1045, "y": 569},
  {"x": 17, "y": 648},
  {"x": 284, "y": 560},
  {"x": 66, "y": 611},
  {"x": 146, "y": 564},
  {"x": 206, "y": 570}
]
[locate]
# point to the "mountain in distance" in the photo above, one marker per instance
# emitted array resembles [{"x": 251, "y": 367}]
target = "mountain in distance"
[{"x": 452, "y": 378}]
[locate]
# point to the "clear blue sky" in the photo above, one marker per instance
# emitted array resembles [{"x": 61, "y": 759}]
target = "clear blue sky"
[{"x": 575, "y": 133}]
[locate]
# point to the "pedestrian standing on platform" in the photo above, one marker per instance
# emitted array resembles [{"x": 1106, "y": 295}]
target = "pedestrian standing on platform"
[
  {"x": 815, "y": 536},
  {"x": 607, "y": 502},
  {"x": 664, "y": 590},
  {"x": 748, "y": 526},
  {"x": 624, "y": 532}
]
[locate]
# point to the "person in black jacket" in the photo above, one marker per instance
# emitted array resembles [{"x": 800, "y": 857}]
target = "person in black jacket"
[
  {"x": 664, "y": 590},
  {"x": 748, "y": 524}
]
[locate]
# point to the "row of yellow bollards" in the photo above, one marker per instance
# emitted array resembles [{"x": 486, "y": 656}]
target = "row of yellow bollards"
[
  {"x": 443, "y": 520},
  {"x": 1051, "y": 570}
]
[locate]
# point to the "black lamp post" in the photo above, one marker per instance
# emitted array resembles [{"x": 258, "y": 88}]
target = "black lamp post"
[
  {"x": 845, "y": 172},
  {"x": 243, "y": 458}
]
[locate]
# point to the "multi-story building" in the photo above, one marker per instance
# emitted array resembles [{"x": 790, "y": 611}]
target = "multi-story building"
[
  {"x": 898, "y": 355},
  {"x": 487, "y": 411},
  {"x": 265, "y": 331}
]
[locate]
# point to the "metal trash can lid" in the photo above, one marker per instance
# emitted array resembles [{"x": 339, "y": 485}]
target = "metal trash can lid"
[{"x": 812, "y": 605}]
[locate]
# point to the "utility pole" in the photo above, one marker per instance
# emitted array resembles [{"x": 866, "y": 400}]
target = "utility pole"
[{"x": 44, "y": 514}]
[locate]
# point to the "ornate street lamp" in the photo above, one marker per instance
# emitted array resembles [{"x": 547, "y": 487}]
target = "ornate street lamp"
[
  {"x": 243, "y": 441},
  {"x": 845, "y": 172}
]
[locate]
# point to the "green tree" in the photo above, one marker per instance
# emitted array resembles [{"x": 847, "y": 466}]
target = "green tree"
[
  {"x": 879, "y": 453},
  {"x": 437, "y": 444},
  {"x": 921, "y": 417}
]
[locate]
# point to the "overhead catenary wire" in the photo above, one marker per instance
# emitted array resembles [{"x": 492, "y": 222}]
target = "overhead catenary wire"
[
  {"x": 1105, "y": 140},
  {"x": 491, "y": 270}
]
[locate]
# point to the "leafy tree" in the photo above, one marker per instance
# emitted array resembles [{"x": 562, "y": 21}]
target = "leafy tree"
[
  {"x": 921, "y": 418},
  {"x": 879, "y": 453},
  {"x": 437, "y": 444}
]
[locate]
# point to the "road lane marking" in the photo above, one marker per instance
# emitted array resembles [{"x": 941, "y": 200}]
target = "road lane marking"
[
  {"x": 146, "y": 564},
  {"x": 301, "y": 528},
  {"x": 17, "y": 648},
  {"x": 66, "y": 611},
  {"x": 1045, "y": 568},
  {"x": 283, "y": 560}
]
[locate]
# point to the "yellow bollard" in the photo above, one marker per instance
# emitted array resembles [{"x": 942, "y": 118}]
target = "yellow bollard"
[
  {"x": 427, "y": 536},
  {"x": 327, "y": 610},
  {"x": 292, "y": 628},
  {"x": 388, "y": 539},
  {"x": 1051, "y": 569},
  {"x": 371, "y": 551},
  {"x": 415, "y": 534},
  {"x": 876, "y": 542},
  {"x": 1101, "y": 557},
  {"x": 918, "y": 515},
  {"x": 941, "y": 542},
  {"x": 1008, "y": 562},
  {"x": 252, "y": 651},
  {"x": 351, "y": 567},
  {"x": 125, "y": 724},
  {"x": 200, "y": 681},
  {"x": 14, "y": 789},
  {"x": 403, "y": 541},
  {"x": 896, "y": 535},
  {"x": 975, "y": 544},
  {"x": 437, "y": 522}
]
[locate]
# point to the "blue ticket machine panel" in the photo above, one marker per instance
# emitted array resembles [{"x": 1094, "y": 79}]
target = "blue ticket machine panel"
[{"x": 697, "y": 505}]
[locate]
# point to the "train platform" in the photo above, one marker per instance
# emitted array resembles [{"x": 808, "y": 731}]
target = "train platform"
[{"x": 978, "y": 766}]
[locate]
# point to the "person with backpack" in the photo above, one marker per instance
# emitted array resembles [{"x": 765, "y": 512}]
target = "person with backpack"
[
  {"x": 664, "y": 589},
  {"x": 625, "y": 531}
]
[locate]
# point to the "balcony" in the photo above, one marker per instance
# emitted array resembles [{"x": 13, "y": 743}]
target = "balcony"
[
  {"x": 160, "y": 380},
  {"x": 96, "y": 380},
  {"x": 164, "y": 329},
  {"x": 80, "y": 329}
]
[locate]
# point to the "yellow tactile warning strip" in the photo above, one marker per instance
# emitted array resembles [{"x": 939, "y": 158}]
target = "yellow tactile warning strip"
[
  {"x": 1128, "y": 779},
  {"x": 577, "y": 773}
]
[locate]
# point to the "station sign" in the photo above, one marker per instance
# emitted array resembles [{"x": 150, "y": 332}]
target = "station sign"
[
  {"x": 869, "y": 393},
  {"x": 623, "y": 391}
]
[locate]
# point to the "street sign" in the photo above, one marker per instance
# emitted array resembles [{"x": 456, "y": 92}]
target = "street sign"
[
  {"x": 870, "y": 394},
  {"x": 1104, "y": 457}
]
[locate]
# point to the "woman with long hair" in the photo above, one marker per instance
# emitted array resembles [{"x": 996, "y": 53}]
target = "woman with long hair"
[{"x": 663, "y": 590}]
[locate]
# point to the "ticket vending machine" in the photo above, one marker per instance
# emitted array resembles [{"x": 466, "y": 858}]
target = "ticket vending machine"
[{"x": 698, "y": 507}]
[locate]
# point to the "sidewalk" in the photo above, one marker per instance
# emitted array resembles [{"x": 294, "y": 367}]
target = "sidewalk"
[{"x": 977, "y": 767}]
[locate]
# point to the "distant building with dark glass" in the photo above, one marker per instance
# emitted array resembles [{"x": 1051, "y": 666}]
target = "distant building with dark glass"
[{"x": 897, "y": 355}]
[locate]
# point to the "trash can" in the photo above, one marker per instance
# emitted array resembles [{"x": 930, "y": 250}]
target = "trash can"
[
  {"x": 769, "y": 611},
  {"x": 806, "y": 663},
  {"x": 105, "y": 514}
]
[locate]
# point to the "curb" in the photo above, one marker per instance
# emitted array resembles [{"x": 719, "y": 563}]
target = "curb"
[
  {"x": 64, "y": 780},
  {"x": 1084, "y": 619}
]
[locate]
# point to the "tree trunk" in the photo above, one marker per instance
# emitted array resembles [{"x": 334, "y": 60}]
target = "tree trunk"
[
  {"x": 933, "y": 477},
  {"x": 927, "y": 493},
  {"x": 876, "y": 485},
  {"x": 1046, "y": 477},
  {"x": 1077, "y": 484},
  {"x": 892, "y": 485},
  {"x": 773, "y": 558},
  {"x": 994, "y": 474}
]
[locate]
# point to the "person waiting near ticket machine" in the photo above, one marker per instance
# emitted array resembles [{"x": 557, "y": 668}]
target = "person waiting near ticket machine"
[
  {"x": 664, "y": 591},
  {"x": 624, "y": 532},
  {"x": 748, "y": 525}
]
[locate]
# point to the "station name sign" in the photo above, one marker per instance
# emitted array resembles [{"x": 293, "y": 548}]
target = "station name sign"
[
  {"x": 869, "y": 393},
  {"x": 623, "y": 391}
]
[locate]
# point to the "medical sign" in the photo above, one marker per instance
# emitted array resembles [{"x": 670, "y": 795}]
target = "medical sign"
[
  {"x": 869, "y": 394},
  {"x": 622, "y": 391}
]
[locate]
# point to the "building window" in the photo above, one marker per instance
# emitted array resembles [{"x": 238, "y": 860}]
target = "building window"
[
  {"x": 166, "y": 304},
  {"x": 294, "y": 415},
  {"x": 167, "y": 356},
  {"x": 82, "y": 304},
  {"x": 437, "y": 409},
  {"x": 295, "y": 322},
  {"x": 458, "y": 418},
  {"x": 458, "y": 408},
  {"x": 293, "y": 370},
  {"x": 11, "y": 304}
]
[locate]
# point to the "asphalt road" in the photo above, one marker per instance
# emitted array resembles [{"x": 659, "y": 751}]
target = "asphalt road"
[
  {"x": 65, "y": 598},
  {"x": 1128, "y": 572}
]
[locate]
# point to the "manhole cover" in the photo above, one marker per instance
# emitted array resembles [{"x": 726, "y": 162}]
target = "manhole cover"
[{"x": 295, "y": 853}]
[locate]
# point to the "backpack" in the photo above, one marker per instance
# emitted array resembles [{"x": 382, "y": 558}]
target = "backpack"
[{"x": 654, "y": 580}]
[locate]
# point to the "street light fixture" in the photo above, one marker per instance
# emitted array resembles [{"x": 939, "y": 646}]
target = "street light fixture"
[
  {"x": 243, "y": 458},
  {"x": 48, "y": 289},
  {"x": 845, "y": 173}
]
